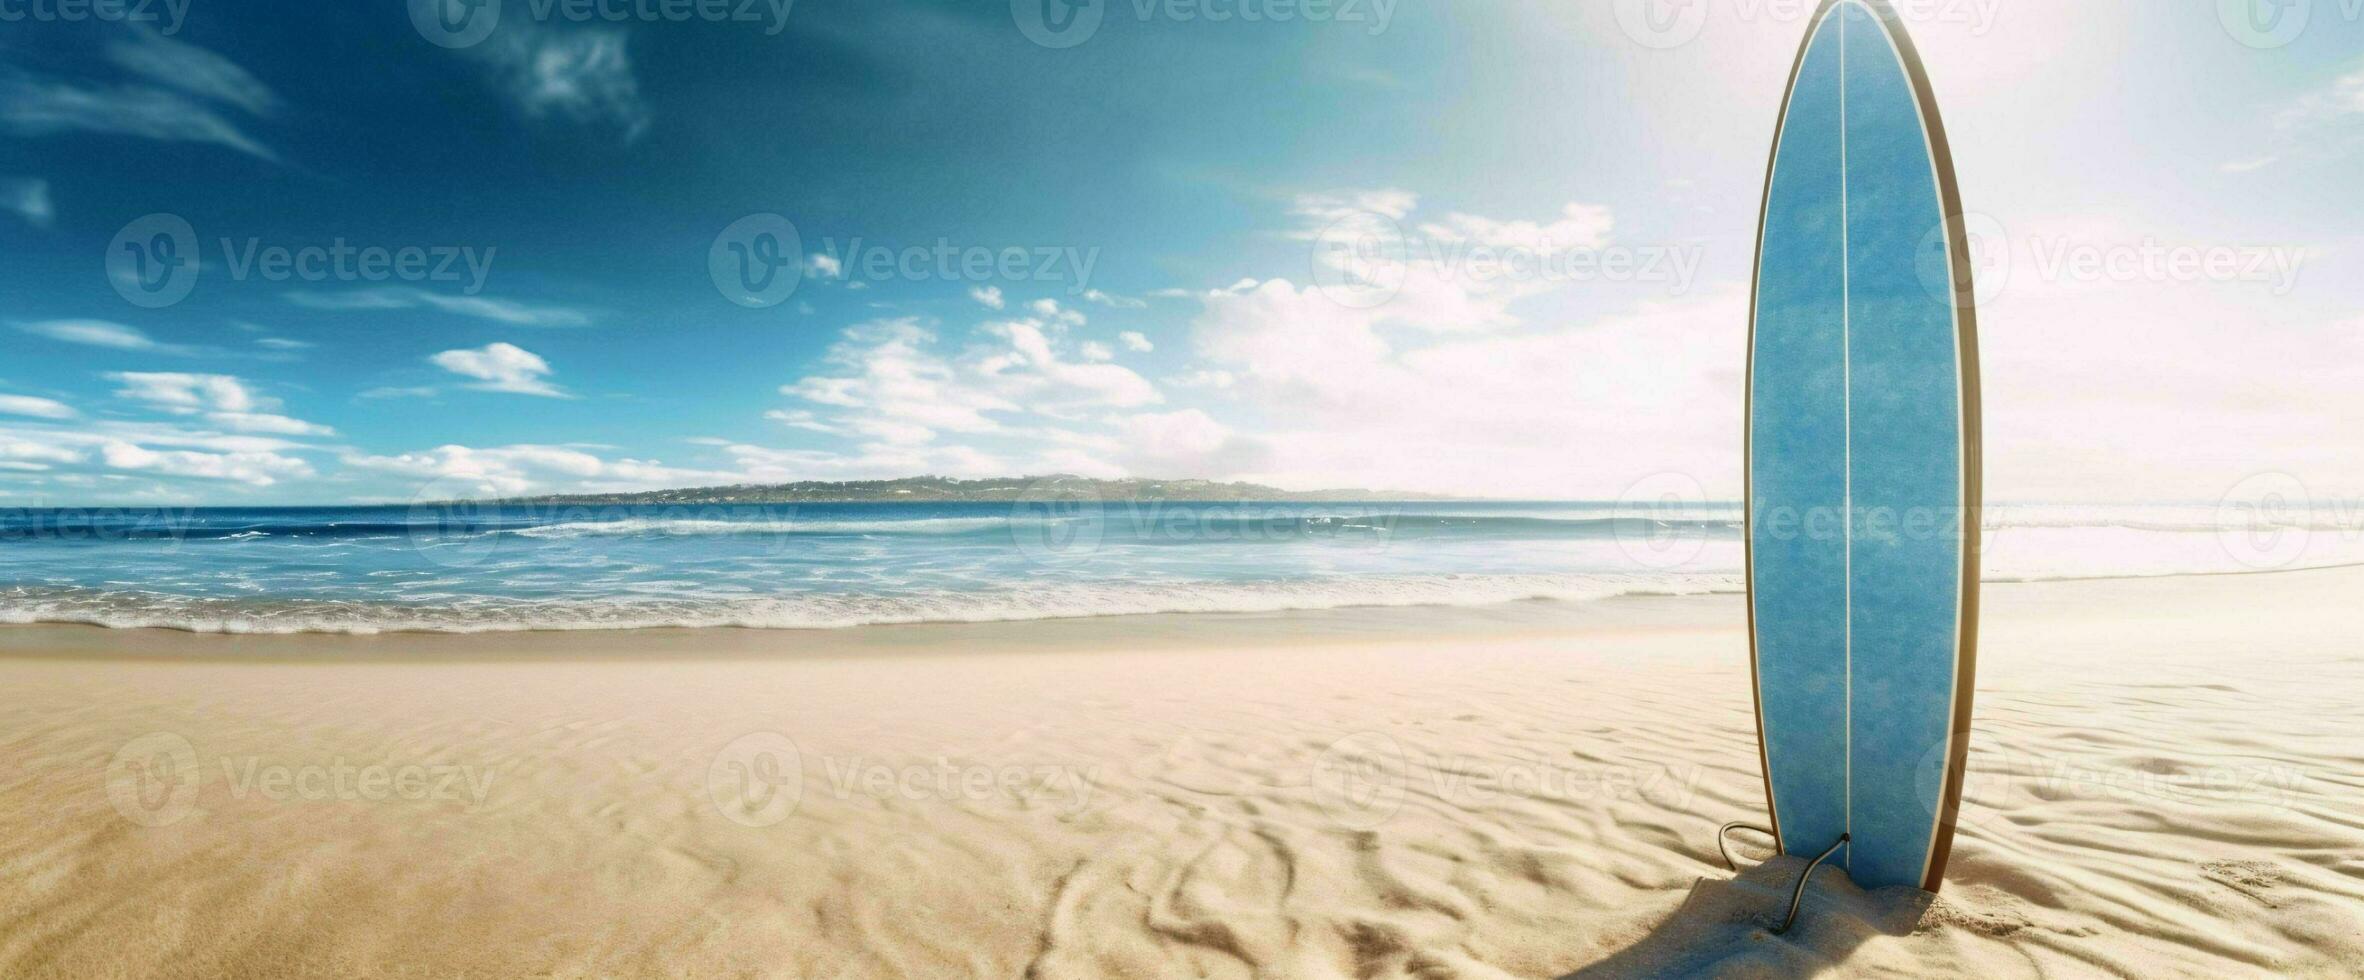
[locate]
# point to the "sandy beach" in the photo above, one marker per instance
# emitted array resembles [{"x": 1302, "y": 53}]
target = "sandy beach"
[{"x": 2165, "y": 784}]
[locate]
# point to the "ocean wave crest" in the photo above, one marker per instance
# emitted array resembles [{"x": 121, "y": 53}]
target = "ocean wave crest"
[{"x": 150, "y": 610}]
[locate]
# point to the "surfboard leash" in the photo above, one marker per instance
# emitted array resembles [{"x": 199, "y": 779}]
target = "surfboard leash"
[
  {"x": 1723, "y": 846},
  {"x": 1796, "y": 898},
  {"x": 1800, "y": 895}
]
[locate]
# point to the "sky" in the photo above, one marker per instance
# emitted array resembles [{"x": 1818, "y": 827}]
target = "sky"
[{"x": 326, "y": 253}]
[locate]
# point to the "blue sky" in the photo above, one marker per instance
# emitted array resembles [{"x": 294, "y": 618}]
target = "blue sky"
[{"x": 1555, "y": 205}]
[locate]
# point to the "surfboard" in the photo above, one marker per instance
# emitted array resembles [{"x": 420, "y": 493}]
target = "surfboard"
[{"x": 1863, "y": 460}]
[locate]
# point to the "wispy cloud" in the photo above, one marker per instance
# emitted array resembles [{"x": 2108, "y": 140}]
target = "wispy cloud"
[
  {"x": 253, "y": 469},
  {"x": 1113, "y": 300},
  {"x": 224, "y": 400},
  {"x": 459, "y": 471},
  {"x": 177, "y": 92},
  {"x": 410, "y": 298},
  {"x": 581, "y": 75},
  {"x": 243, "y": 444},
  {"x": 102, "y": 333},
  {"x": 40, "y": 408},
  {"x": 800, "y": 419},
  {"x": 502, "y": 367},
  {"x": 180, "y": 392},
  {"x": 29, "y": 198},
  {"x": 2327, "y": 122},
  {"x": 194, "y": 70},
  {"x": 1035, "y": 398},
  {"x": 408, "y": 391}
]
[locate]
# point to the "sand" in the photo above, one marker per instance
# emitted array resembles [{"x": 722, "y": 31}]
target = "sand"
[{"x": 2166, "y": 783}]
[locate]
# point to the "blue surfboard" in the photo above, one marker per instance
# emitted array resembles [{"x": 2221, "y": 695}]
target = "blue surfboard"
[{"x": 1863, "y": 460}]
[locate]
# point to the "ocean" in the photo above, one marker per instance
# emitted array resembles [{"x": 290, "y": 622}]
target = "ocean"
[{"x": 471, "y": 568}]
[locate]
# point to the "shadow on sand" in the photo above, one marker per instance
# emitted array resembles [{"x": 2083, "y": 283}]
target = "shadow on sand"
[{"x": 1724, "y": 926}]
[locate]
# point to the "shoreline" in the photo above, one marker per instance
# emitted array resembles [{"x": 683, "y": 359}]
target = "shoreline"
[
  {"x": 1516, "y": 619},
  {"x": 1344, "y": 625}
]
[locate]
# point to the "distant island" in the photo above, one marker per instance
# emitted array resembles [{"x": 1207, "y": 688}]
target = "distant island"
[{"x": 1058, "y": 486}]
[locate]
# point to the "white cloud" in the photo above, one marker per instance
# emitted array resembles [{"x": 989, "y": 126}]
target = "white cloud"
[
  {"x": 264, "y": 422},
  {"x": 988, "y": 296},
  {"x": 1113, "y": 300},
  {"x": 1203, "y": 379},
  {"x": 1052, "y": 313},
  {"x": 220, "y": 399},
  {"x": 101, "y": 333},
  {"x": 40, "y": 408},
  {"x": 1443, "y": 388},
  {"x": 1012, "y": 400},
  {"x": 2328, "y": 122},
  {"x": 1321, "y": 210},
  {"x": 41, "y": 108},
  {"x": 166, "y": 61},
  {"x": 178, "y": 98},
  {"x": 580, "y": 74},
  {"x": 185, "y": 393},
  {"x": 28, "y": 197},
  {"x": 158, "y": 449},
  {"x": 502, "y": 367},
  {"x": 1094, "y": 350},
  {"x": 874, "y": 462},
  {"x": 1570, "y": 411},
  {"x": 406, "y": 298},
  {"x": 893, "y": 384},
  {"x": 1136, "y": 341},
  {"x": 1580, "y": 226},
  {"x": 1287, "y": 339},
  {"x": 415, "y": 391},
  {"x": 283, "y": 343},
  {"x": 456, "y": 470},
  {"x": 825, "y": 265},
  {"x": 1032, "y": 371},
  {"x": 18, "y": 449},
  {"x": 800, "y": 419},
  {"x": 1186, "y": 443},
  {"x": 253, "y": 469},
  {"x": 1429, "y": 277},
  {"x": 178, "y": 436}
]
